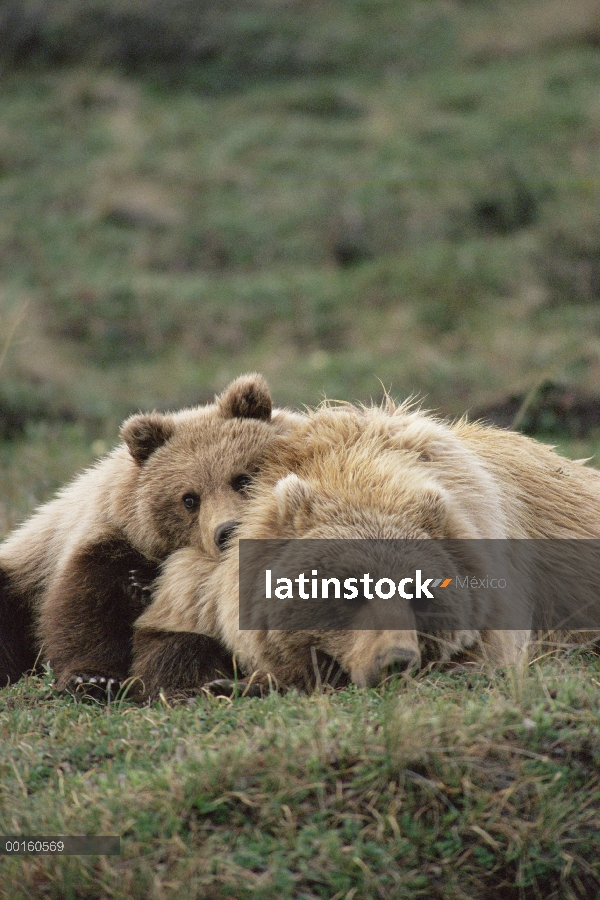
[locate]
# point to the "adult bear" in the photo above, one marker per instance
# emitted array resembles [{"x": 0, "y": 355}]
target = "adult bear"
[{"x": 385, "y": 473}]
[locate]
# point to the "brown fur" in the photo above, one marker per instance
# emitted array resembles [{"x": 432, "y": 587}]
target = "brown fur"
[
  {"x": 383, "y": 473},
  {"x": 176, "y": 663},
  {"x": 65, "y": 570}
]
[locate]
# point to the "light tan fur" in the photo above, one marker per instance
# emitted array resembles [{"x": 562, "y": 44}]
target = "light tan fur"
[
  {"x": 383, "y": 473},
  {"x": 178, "y": 602}
]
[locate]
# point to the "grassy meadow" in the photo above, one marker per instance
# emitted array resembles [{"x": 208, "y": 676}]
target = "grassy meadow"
[
  {"x": 451, "y": 785},
  {"x": 348, "y": 197}
]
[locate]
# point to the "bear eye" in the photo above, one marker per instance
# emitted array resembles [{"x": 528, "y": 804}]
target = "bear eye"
[
  {"x": 190, "y": 501},
  {"x": 241, "y": 483}
]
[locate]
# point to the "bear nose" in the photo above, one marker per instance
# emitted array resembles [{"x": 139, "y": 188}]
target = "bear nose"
[
  {"x": 224, "y": 533},
  {"x": 399, "y": 660},
  {"x": 389, "y": 662}
]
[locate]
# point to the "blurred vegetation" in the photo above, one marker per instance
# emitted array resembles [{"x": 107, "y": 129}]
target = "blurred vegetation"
[
  {"x": 346, "y": 196},
  {"x": 226, "y": 45}
]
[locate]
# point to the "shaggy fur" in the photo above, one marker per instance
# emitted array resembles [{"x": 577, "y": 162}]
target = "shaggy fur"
[
  {"x": 177, "y": 663},
  {"x": 383, "y": 473},
  {"x": 176, "y": 481}
]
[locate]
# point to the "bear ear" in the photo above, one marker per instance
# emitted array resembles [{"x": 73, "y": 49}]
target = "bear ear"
[
  {"x": 248, "y": 397},
  {"x": 144, "y": 434},
  {"x": 293, "y": 496}
]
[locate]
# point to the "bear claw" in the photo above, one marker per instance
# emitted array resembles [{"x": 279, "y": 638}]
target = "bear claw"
[
  {"x": 225, "y": 687},
  {"x": 139, "y": 590},
  {"x": 93, "y": 687}
]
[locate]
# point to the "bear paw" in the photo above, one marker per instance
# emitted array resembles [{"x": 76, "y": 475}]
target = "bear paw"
[
  {"x": 139, "y": 589},
  {"x": 93, "y": 687},
  {"x": 225, "y": 687}
]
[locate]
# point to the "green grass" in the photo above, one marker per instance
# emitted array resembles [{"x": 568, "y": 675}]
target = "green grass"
[
  {"x": 162, "y": 236},
  {"x": 457, "y": 784}
]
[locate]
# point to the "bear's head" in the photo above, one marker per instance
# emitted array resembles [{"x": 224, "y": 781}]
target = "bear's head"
[
  {"x": 190, "y": 471},
  {"x": 346, "y": 475}
]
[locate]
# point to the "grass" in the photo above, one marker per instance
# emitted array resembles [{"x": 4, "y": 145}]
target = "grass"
[
  {"x": 456, "y": 784},
  {"x": 428, "y": 220}
]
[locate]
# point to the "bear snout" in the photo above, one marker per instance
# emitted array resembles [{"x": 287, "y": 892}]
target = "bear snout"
[
  {"x": 224, "y": 533},
  {"x": 389, "y": 661},
  {"x": 397, "y": 660}
]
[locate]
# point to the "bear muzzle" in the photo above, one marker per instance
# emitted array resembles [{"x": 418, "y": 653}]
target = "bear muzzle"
[
  {"x": 377, "y": 656},
  {"x": 224, "y": 533},
  {"x": 395, "y": 661}
]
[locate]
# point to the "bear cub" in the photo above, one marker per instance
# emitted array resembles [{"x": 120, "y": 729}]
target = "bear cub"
[{"x": 177, "y": 480}]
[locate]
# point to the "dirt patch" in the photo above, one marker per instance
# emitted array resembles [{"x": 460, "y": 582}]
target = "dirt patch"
[{"x": 551, "y": 408}]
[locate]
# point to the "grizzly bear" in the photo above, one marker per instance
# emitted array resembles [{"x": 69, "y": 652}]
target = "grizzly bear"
[
  {"x": 380, "y": 474},
  {"x": 177, "y": 480}
]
